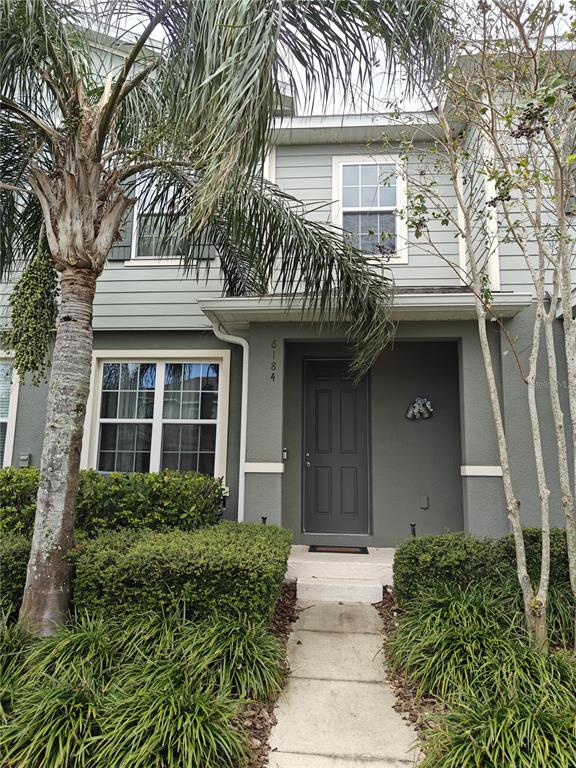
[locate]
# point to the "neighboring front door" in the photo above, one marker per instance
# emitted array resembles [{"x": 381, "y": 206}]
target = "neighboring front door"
[{"x": 336, "y": 493}]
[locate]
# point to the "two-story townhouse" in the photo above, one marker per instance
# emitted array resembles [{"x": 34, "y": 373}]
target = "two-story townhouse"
[{"x": 254, "y": 391}]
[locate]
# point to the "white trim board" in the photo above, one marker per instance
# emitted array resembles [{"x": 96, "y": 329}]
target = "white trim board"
[
  {"x": 12, "y": 412},
  {"x": 479, "y": 470},
  {"x": 264, "y": 467},
  {"x": 221, "y": 356}
]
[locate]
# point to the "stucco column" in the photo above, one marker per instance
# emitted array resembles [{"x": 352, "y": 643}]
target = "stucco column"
[
  {"x": 264, "y": 433},
  {"x": 483, "y": 496}
]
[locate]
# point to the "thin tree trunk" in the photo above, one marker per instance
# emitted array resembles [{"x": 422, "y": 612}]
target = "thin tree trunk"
[
  {"x": 47, "y": 592},
  {"x": 512, "y": 502},
  {"x": 566, "y": 491},
  {"x": 539, "y": 604}
]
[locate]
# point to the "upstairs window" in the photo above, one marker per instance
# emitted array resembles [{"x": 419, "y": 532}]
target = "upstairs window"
[
  {"x": 370, "y": 195},
  {"x": 152, "y": 240}
]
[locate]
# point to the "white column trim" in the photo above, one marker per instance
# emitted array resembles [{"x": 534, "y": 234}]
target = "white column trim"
[
  {"x": 12, "y": 413},
  {"x": 264, "y": 467},
  {"x": 481, "y": 470},
  {"x": 492, "y": 227},
  {"x": 269, "y": 169}
]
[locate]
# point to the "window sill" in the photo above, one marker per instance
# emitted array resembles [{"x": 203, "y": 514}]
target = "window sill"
[
  {"x": 382, "y": 261},
  {"x": 153, "y": 263}
]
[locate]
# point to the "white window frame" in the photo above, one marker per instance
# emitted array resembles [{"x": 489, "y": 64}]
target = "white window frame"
[
  {"x": 10, "y": 420},
  {"x": 89, "y": 458},
  {"x": 338, "y": 163},
  {"x": 134, "y": 261}
]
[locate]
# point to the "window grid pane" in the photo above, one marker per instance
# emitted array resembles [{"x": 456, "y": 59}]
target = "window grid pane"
[
  {"x": 128, "y": 390},
  {"x": 151, "y": 232},
  {"x": 368, "y": 186},
  {"x": 373, "y": 233},
  {"x": 190, "y": 395},
  {"x": 5, "y": 388},
  {"x": 125, "y": 447},
  {"x": 191, "y": 391}
]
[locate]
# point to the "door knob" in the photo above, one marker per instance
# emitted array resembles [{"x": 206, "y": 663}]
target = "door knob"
[{"x": 308, "y": 464}]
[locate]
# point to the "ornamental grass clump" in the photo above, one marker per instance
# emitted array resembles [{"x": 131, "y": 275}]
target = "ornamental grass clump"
[
  {"x": 52, "y": 722},
  {"x": 246, "y": 659},
  {"x": 446, "y": 638},
  {"x": 507, "y": 732},
  {"x": 169, "y": 722},
  {"x": 502, "y": 704},
  {"x": 90, "y": 645},
  {"x": 151, "y": 691},
  {"x": 15, "y": 642}
]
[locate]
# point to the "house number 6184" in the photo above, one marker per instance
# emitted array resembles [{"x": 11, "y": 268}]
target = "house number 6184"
[{"x": 273, "y": 363}]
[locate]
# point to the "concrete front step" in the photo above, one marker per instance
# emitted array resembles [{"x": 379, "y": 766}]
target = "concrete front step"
[
  {"x": 339, "y": 569},
  {"x": 339, "y": 590},
  {"x": 375, "y": 566}
]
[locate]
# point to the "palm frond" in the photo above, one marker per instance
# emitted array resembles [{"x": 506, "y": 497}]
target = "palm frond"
[
  {"x": 44, "y": 54},
  {"x": 266, "y": 242},
  {"x": 264, "y": 233},
  {"x": 227, "y": 62}
]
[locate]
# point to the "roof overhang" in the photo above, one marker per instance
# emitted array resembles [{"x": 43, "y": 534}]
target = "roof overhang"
[
  {"x": 336, "y": 129},
  {"x": 242, "y": 311}
]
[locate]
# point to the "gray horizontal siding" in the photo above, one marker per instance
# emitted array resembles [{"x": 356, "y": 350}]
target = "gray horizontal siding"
[
  {"x": 306, "y": 172},
  {"x": 160, "y": 297}
]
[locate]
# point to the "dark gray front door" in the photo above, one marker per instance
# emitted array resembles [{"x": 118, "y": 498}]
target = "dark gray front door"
[{"x": 336, "y": 496}]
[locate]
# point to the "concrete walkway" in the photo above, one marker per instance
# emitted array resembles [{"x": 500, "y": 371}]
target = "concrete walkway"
[{"x": 337, "y": 710}]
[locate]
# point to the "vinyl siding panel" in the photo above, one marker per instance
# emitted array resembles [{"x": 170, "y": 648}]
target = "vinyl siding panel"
[
  {"x": 306, "y": 172},
  {"x": 137, "y": 297}
]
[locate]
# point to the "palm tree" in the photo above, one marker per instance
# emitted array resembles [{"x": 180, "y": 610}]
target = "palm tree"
[{"x": 184, "y": 123}]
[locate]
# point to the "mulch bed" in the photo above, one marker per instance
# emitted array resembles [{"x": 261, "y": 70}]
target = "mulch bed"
[
  {"x": 258, "y": 718},
  {"x": 407, "y": 704}
]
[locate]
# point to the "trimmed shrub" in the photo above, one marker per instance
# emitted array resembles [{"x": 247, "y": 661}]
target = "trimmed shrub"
[
  {"x": 14, "y": 555},
  {"x": 18, "y": 489},
  {"x": 231, "y": 568},
  {"x": 461, "y": 560},
  {"x": 158, "y": 501},
  {"x": 559, "y": 572},
  {"x": 449, "y": 558}
]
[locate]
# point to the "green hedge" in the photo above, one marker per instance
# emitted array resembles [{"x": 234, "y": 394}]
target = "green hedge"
[
  {"x": 228, "y": 568},
  {"x": 14, "y": 554},
  {"x": 156, "y": 500},
  {"x": 459, "y": 559}
]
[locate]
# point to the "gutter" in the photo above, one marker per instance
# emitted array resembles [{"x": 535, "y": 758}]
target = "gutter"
[{"x": 220, "y": 333}]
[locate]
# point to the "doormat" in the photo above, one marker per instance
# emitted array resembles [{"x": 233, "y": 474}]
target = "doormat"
[{"x": 339, "y": 550}]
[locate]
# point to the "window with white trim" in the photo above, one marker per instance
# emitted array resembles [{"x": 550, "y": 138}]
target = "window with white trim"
[
  {"x": 153, "y": 242},
  {"x": 5, "y": 395},
  {"x": 158, "y": 415},
  {"x": 371, "y": 195}
]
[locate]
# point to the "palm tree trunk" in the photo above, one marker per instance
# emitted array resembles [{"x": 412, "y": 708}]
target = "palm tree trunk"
[{"x": 47, "y": 592}]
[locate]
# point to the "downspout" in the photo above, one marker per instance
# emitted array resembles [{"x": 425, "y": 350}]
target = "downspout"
[{"x": 221, "y": 334}]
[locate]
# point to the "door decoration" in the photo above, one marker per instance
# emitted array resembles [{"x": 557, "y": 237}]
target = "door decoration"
[{"x": 421, "y": 408}]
